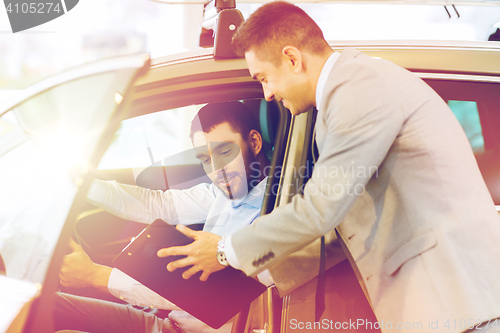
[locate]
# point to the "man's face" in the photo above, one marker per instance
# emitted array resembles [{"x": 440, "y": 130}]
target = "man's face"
[
  {"x": 281, "y": 83},
  {"x": 226, "y": 158}
]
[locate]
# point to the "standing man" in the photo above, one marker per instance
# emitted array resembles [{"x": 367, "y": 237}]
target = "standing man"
[{"x": 423, "y": 233}]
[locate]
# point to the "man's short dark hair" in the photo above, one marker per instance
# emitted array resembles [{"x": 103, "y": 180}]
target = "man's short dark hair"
[
  {"x": 237, "y": 114},
  {"x": 274, "y": 26}
]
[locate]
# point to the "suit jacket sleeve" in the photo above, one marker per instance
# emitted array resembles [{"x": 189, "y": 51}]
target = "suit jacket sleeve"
[
  {"x": 362, "y": 117},
  {"x": 302, "y": 266}
]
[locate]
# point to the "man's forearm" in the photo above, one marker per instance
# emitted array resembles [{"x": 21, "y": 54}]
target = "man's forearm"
[
  {"x": 127, "y": 202},
  {"x": 101, "y": 277},
  {"x": 79, "y": 271},
  {"x": 143, "y": 205}
]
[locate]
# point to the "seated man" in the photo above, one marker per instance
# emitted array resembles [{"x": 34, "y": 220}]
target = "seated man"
[{"x": 229, "y": 146}]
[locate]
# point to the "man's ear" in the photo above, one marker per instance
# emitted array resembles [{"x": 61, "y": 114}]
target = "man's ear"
[
  {"x": 255, "y": 142},
  {"x": 292, "y": 57}
]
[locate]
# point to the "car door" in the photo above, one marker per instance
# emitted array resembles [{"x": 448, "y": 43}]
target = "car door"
[{"x": 52, "y": 137}]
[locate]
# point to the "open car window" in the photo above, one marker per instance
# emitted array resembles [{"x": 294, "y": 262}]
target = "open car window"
[
  {"x": 154, "y": 135},
  {"x": 155, "y": 150}
]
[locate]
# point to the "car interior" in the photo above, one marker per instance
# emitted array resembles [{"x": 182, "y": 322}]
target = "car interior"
[{"x": 103, "y": 235}]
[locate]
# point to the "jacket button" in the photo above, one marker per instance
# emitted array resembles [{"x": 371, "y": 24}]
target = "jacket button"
[
  {"x": 255, "y": 263},
  {"x": 271, "y": 255}
]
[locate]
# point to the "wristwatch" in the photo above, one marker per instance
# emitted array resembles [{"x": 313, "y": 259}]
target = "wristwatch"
[{"x": 221, "y": 255}]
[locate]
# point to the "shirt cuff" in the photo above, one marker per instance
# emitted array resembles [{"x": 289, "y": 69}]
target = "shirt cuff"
[
  {"x": 266, "y": 278},
  {"x": 96, "y": 192},
  {"x": 119, "y": 284},
  {"x": 231, "y": 257}
]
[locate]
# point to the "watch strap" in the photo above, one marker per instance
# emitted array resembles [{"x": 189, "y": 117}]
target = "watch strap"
[{"x": 221, "y": 254}]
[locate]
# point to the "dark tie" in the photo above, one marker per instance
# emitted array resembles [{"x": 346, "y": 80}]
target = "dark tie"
[{"x": 320, "y": 287}]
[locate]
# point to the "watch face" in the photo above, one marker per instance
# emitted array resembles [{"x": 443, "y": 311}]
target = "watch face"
[{"x": 221, "y": 258}]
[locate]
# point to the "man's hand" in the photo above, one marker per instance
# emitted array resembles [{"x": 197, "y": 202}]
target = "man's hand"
[
  {"x": 79, "y": 271},
  {"x": 201, "y": 254}
]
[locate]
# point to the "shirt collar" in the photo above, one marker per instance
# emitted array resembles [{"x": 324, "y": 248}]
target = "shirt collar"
[
  {"x": 323, "y": 76},
  {"x": 254, "y": 197}
]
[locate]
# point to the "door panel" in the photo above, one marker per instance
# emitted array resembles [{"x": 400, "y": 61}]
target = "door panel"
[{"x": 48, "y": 143}]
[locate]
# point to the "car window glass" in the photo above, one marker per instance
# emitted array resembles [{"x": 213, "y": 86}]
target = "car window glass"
[
  {"x": 150, "y": 136},
  {"x": 476, "y": 106},
  {"x": 468, "y": 116},
  {"x": 42, "y": 141}
]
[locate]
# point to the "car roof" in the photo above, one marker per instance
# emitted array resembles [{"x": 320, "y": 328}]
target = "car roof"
[
  {"x": 182, "y": 71},
  {"x": 455, "y": 56},
  {"x": 474, "y": 57}
]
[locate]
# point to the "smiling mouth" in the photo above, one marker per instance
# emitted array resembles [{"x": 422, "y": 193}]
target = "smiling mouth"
[{"x": 226, "y": 181}]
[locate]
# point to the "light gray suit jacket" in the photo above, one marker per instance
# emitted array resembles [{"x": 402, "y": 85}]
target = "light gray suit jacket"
[{"x": 396, "y": 176}]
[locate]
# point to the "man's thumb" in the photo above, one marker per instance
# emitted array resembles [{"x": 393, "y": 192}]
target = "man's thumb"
[{"x": 74, "y": 245}]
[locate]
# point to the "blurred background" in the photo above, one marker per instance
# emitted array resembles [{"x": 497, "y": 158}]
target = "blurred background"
[{"x": 97, "y": 29}]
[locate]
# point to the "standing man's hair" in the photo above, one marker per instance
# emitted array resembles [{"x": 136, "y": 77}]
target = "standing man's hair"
[
  {"x": 276, "y": 25},
  {"x": 238, "y": 115}
]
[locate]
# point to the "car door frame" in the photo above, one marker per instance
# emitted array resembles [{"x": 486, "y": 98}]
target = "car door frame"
[{"x": 36, "y": 316}]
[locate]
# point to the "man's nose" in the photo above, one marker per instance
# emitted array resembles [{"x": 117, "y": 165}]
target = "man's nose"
[
  {"x": 268, "y": 95},
  {"x": 218, "y": 164}
]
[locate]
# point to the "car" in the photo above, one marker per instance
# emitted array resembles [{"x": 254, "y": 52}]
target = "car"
[{"x": 127, "y": 119}]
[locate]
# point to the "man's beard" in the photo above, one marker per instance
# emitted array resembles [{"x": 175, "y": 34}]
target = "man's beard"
[{"x": 252, "y": 174}]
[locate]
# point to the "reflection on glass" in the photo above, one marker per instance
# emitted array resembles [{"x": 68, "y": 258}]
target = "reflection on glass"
[
  {"x": 468, "y": 116},
  {"x": 44, "y": 142}
]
